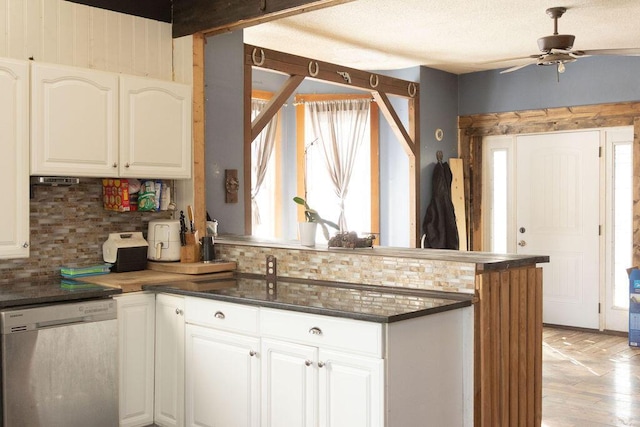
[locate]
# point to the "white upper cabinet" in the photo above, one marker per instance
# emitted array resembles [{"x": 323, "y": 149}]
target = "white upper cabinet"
[
  {"x": 94, "y": 123},
  {"x": 14, "y": 158},
  {"x": 155, "y": 131},
  {"x": 74, "y": 121}
]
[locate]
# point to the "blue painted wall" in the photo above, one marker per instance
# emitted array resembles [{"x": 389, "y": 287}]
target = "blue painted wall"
[
  {"x": 590, "y": 80},
  {"x": 224, "y": 114}
]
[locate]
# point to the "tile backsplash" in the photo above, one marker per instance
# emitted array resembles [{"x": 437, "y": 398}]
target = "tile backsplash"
[{"x": 68, "y": 227}]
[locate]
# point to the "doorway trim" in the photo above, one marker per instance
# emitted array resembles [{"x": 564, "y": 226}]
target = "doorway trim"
[{"x": 472, "y": 128}]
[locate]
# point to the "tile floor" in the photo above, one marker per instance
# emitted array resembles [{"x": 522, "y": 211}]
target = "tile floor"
[{"x": 589, "y": 380}]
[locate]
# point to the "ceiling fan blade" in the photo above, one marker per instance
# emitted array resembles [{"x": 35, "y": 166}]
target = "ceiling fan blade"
[
  {"x": 619, "y": 52},
  {"x": 517, "y": 58},
  {"x": 517, "y": 67}
]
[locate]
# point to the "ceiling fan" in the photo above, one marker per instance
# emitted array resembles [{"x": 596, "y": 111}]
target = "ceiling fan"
[{"x": 556, "y": 48}]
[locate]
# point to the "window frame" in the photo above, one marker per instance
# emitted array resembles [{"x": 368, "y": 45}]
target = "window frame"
[{"x": 374, "y": 120}]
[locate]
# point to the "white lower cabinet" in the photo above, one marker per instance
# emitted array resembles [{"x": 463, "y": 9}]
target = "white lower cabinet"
[
  {"x": 248, "y": 366},
  {"x": 222, "y": 364},
  {"x": 351, "y": 390},
  {"x": 136, "y": 333},
  {"x": 289, "y": 384},
  {"x": 169, "y": 361}
]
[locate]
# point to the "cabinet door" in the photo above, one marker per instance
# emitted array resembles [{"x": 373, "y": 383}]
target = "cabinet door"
[
  {"x": 155, "y": 128},
  {"x": 222, "y": 378},
  {"x": 169, "y": 361},
  {"x": 74, "y": 121},
  {"x": 289, "y": 384},
  {"x": 14, "y": 158},
  {"x": 136, "y": 331},
  {"x": 351, "y": 390}
]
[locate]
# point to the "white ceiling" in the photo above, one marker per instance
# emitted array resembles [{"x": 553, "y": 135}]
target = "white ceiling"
[{"x": 456, "y": 36}]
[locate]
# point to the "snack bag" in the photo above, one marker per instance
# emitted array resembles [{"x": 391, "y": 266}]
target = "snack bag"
[{"x": 147, "y": 196}]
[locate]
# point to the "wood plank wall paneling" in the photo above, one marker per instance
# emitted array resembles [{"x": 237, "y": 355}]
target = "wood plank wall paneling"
[
  {"x": 508, "y": 377},
  {"x": 61, "y": 32}
]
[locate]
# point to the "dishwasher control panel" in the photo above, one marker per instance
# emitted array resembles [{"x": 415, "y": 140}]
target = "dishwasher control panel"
[{"x": 31, "y": 318}]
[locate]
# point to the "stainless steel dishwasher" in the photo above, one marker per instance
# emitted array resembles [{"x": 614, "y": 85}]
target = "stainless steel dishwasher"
[{"x": 59, "y": 365}]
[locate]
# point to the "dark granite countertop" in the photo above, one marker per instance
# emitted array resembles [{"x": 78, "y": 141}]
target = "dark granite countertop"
[
  {"x": 360, "y": 302},
  {"x": 29, "y": 292},
  {"x": 484, "y": 261}
]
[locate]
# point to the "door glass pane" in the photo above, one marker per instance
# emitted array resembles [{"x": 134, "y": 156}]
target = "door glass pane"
[
  {"x": 499, "y": 202},
  {"x": 622, "y": 218}
]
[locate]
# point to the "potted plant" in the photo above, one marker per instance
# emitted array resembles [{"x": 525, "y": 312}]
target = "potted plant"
[{"x": 312, "y": 219}]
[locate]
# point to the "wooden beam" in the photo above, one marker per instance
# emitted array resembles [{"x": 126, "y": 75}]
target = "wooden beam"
[
  {"x": 247, "y": 139},
  {"x": 298, "y": 65},
  {"x": 397, "y": 127},
  {"x": 212, "y": 16},
  {"x": 274, "y": 104},
  {"x": 199, "y": 176}
]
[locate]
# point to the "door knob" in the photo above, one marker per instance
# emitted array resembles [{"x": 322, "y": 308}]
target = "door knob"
[{"x": 522, "y": 243}]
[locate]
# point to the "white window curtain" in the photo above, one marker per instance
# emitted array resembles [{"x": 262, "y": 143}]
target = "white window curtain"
[
  {"x": 261, "y": 150},
  {"x": 340, "y": 127}
]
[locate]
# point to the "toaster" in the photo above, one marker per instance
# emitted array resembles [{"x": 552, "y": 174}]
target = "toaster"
[{"x": 126, "y": 251}]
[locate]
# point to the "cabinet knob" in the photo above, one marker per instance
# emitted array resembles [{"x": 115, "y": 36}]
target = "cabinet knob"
[
  {"x": 252, "y": 353},
  {"x": 315, "y": 331},
  {"x": 178, "y": 311},
  {"x": 25, "y": 245},
  {"x": 126, "y": 165},
  {"x": 308, "y": 362},
  {"x": 219, "y": 315},
  {"x": 320, "y": 364},
  {"x": 115, "y": 165}
]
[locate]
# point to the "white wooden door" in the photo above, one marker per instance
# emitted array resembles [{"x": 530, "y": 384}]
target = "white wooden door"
[
  {"x": 74, "y": 116},
  {"x": 169, "y": 361},
  {"x": 222, "y": 378},
  {"x": 558, "y": 215},
  {"x": 155, "y": 119},
  {"x": 289, "y": 384},
  {"x": 351, "y": 392},
  {"x": 14, "y": 158},
  {"x": 136, "y": 334}
]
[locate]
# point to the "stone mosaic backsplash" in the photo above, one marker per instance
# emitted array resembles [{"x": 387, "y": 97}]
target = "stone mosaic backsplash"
[
  {"x": 68, "y": 227},
  {"x": 345, "y": 266}
]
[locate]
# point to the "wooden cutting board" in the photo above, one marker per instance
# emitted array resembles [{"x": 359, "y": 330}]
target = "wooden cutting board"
[
  {"x": 192, "y": 267},
  {"x": 133, "y": 281}
]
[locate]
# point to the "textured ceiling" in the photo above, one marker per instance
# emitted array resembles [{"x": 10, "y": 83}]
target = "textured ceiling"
[{"x": 457, "y": 36}]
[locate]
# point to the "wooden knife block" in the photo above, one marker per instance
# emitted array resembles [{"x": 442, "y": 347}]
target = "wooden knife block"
[{"x": 191, "y": 251}]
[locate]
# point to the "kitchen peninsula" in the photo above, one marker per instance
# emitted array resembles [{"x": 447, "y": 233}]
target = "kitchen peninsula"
[{"x": 507, "y": 318}]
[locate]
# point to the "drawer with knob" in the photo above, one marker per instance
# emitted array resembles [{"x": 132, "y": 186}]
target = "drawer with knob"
[
  {"x": 221, "y": 315},
  {"x": 322, "y": 331}
]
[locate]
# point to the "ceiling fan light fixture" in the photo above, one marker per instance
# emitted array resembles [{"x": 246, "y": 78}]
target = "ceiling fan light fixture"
[{"x": 555, "y": 58}]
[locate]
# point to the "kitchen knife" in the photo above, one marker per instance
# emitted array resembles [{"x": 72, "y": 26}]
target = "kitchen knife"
[
  {"x": 183, "y": 229},
  {"x": 190, "y": 214}
]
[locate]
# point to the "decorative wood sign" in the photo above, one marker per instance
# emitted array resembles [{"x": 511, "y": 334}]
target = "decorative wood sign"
[{"x": 231, "y": 185}]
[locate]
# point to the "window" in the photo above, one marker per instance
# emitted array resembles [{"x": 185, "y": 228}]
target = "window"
[
  {"x": 622, "y": 221},
  {"x": 338, "y": 158}
]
